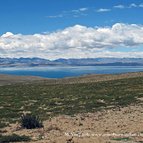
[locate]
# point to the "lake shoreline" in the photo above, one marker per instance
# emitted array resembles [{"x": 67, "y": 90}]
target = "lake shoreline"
[
  {"x": 68, "y": 71},
  {"x": 6, "y": 79}
]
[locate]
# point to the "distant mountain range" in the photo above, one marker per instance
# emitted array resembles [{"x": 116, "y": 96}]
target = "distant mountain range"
[{"x": 30, "y": 62}]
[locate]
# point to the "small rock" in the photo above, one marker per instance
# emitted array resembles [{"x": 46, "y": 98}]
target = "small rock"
[{"x": 70, "y": 140}]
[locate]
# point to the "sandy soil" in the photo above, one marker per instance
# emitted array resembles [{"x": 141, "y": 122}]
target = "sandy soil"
[
  {"x": 98, "y": 127},
  {"x": 12, "y": 79}
]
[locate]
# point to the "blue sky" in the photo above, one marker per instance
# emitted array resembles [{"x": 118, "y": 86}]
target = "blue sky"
[
  {"x": 33, "y": 16},
  {"x": 89, "y": 28}
]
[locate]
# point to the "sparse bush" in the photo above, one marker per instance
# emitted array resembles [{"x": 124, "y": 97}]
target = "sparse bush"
[
  {"x": 13, "y": 138},
  {"x": 2, "y": 125},
  {"x": 29, "y": 121}
]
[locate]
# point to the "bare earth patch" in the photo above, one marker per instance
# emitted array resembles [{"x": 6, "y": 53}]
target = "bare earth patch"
[{"x": 106, "y": 126}]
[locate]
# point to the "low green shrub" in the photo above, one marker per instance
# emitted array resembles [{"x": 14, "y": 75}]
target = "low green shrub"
[
  {"x": 13, "y": 138},
  {"x": 122, "y": 139},
  {"x": 30, "y": 121},
  {"x": 2, "y": 125}
]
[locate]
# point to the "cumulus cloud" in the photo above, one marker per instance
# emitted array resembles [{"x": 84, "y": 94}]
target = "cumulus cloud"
[
  {"x": 7, "y": 34},
  {"x": 75, "y": 42}
]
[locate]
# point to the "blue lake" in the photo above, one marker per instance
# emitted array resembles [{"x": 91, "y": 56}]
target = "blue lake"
[{"x": 68, "y": 71}]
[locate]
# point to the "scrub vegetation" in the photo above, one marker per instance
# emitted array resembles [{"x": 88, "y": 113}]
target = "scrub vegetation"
[{"x": 47, "y": 100}]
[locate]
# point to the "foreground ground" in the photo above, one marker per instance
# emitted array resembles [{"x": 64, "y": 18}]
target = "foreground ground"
[
  {"x": 96, "y": 111},
  {"x": 124, "y": 125}
]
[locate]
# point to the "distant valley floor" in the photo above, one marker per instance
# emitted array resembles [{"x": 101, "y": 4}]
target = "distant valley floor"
[{"x": 13, "y": 79}]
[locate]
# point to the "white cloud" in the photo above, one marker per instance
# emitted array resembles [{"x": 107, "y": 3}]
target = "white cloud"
[
  {"x": 79, "y": 10},
  {"x": 72, "y": 13},
  {"x": 83, "y": 9},
  {"x": 75, "y": 42},
  {"x": 141, "y": 5},
  {"x": 119, "y": 6},
  {"x": 132, "y": 5},
  {"x": 55, "y": 16},
  {"x": 103, "y": 10},
  {"x": 7, "y": 34}
]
